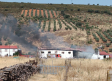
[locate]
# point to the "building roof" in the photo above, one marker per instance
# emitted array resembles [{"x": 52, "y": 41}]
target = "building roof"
[
  {"x": 65, "y": 49},
  {"x": 103, "y": 53},
  {"x": 8, "y": 47}
]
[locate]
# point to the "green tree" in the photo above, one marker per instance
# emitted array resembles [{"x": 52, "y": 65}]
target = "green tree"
[
  {"x": 0, "y": 43},
  {"x": 16, "y": 53}
]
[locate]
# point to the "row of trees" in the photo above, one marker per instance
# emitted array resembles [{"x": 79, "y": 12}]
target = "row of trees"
[
  {"x": 44, "y": 24},
  {"x": 40, "y": 13},
  {"x": 98, "y": 11},
  {"x": 48, "y": 14},
  {"x": 69, "y": 22},
  {"x": 32, "y": 13},
  {"x": 28, "y": 12},
  {"x": 44, "y": 13},
  {"x": 49, "y": 26},
  {"x": 54, "y": 29},
  {"x": 67, "y": 27},
  {"x": 95, "y": 37},
  {"x": 60, "y": 25},
  {"x": 101, "y": 36},
  {"x": 39, "y": 24},
  {"x": 23, "y": 12},
  {"x": 36, "y": 13},
  {"x": 110, "y": 39},
  {"x": 110, "y": 33},
  {"x": 52, "y": 13}
]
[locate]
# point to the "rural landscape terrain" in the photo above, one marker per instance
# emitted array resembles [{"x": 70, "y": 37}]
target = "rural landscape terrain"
[
  {"x": 32, "y": 26},
  {"x": 76, "y": 24}
]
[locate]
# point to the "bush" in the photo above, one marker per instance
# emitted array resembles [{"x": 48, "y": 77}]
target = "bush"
[
  {"x": 78, "y": 9},
  {"x": 6, "y": 43},
  {"x": 110, "y": 50},
  {"x": 78, "y": 24},
  {"x": 90, "y": 41},
  {"x": 66, "y": 28},
  {"x": 67, "y": 16},
  {"x": 16, "y": 53},
  {"x": 6, "y": 9},
  {"x": 62, "y": 13},
  {"x": 71, "y": 9},
  {"x": 97, "y": 11},
  {"x": 5, "y": 38},
  {"x": 108, "y": 44},
  {"x": 90, "y": 10},
  {"x": 0, "y": 43}
]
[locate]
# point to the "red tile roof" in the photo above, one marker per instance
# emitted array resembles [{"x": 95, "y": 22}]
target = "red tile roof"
[
  {"x": 103, "y": 53},
  {"x": 8, "y": 47}
]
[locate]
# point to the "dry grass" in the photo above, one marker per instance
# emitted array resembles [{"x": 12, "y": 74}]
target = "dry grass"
[
  {"x": 81, "y": 70},
  {"x": 9, "y": 61}
]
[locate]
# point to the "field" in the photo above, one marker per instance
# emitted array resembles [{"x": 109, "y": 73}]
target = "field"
[
  {"x": 80, "y": 70},
  {"x": 9, "y": 61}
]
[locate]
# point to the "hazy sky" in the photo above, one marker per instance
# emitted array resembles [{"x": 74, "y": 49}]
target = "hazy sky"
[{"x": 100, "y": 2}]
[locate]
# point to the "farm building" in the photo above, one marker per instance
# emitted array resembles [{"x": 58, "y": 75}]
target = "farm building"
[
  {"x": 100, "y": 55},
  {"x": 8, "y": 50},
  {"x": 58, "y": 53}
]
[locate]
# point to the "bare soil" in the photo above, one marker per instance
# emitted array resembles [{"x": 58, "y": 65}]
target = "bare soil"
[
  {"x": 25, "y": 13},
  {"x": 30, "y": 12},
  {"x": 37, "y": 12},
  {"x": 34, "y": 12},
  {"x": 46, "y": 13}
]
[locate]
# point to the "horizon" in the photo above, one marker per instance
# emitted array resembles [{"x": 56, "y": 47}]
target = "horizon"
[{"x": 79, "y": 2}]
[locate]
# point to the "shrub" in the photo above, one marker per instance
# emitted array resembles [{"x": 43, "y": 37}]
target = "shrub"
[
  {"x": 66, "y": 28},
  {"x": 0, "y": 43},
  {"x": 97, "y": 11},
  {"x": 16, "y": 53},
  {"x": 78, "y": 9},
  {"x": 62, "y": 13},
  {"x": 107, "y": 44},
  {"x": 90, "y": 10},
  {"x": 90, "y": 41},
  {"x": 78, "y": 24},
  {"x": 6, "y": 9},
  {"x": 5, "y": 38},
  {"x": 110, "y": 50},
  {"x": 6, "y": 43},
  {"x": 66, "y": 16},
  {"x": 71, "y": 9}
]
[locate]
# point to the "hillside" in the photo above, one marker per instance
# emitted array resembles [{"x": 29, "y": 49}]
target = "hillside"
[{"x": 76, "y": 24}]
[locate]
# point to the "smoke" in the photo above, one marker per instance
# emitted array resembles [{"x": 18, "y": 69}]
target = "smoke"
[
  {"x": 19, "y": 34},
  {"x": 87, "y": 51},
  {"x": 25, "y": 35}
]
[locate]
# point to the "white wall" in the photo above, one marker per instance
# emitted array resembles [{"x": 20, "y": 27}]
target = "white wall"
[
  {"x": 65, "y": 55},
  {"x": 4, "y": 52},
  {"x": 98, "y": 56}
]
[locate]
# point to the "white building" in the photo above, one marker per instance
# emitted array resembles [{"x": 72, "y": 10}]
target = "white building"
[
  {"x": 60, "y": 53},
  {"x": 100, "y": 55},
  {"x": 7, "y": 50}
]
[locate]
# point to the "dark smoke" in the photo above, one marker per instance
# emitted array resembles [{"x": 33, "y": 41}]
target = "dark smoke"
[{"x": 21, "y": 34}]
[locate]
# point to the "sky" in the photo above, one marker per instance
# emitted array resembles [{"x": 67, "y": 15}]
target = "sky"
[{"x": 91, "y": 2}]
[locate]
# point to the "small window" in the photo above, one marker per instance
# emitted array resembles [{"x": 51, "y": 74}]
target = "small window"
[
  {"x": 62, "y": 52},
  {"x": 55, "y": 51},
  {"x": 13, "y": 50},
  {"x": 5, "y": 50},
  {"x": 42, "y": 52},
  {"x": 49, "y": 51},
  {"x": 69, "y": 52}
]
